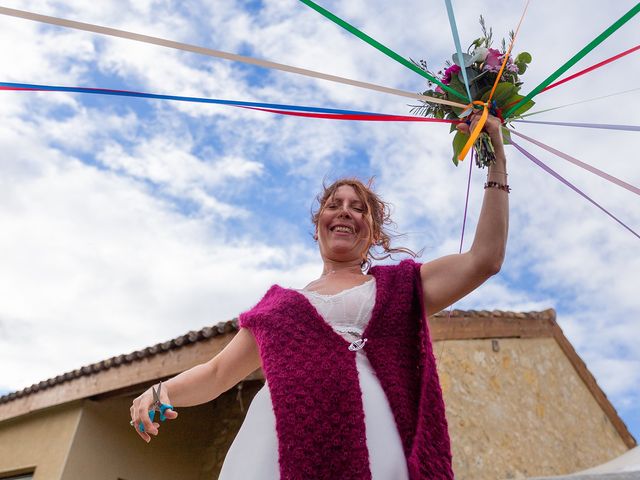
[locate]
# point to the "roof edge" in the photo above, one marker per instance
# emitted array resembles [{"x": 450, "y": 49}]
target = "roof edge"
[{"x": 222, "y": 328}]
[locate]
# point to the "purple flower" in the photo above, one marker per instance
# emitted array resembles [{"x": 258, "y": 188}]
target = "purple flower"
[
  {"x": 512, "y": 67},
  {"x": 452, "y": 70},
  {"x": 493, "y": 60}
]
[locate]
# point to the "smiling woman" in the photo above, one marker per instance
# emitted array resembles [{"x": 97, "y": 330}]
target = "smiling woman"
[
  {"x": 352, "y": 390},
  {"x": 352, "y": 211}
]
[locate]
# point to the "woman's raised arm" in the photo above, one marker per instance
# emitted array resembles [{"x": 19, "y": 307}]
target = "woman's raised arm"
[{"x": 447, "y": 279}]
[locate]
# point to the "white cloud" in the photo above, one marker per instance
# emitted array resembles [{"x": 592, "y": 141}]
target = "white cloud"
[
  {"x": 168, "y": 162},
  {"x": 100, "y": 256},
  {"x": 92, "y": 255}
]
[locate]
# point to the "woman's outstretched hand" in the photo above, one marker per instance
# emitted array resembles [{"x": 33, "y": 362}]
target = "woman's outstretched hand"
[
  {"x": 140, "y": 413},
  {"x": 491, "y": 126}
]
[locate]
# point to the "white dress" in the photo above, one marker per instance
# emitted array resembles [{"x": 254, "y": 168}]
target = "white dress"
[{"x": 253, "y": 454}]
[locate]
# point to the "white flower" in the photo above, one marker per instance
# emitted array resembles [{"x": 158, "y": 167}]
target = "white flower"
[{"x": 479, "y": 54}]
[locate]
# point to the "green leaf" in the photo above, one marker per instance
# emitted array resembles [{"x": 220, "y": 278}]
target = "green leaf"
[
  {"x": 457, "y": 85},
  {"x": 513, "y": 99},
  {"x": 476, "y": 43},
  {"x": 459, "y": 141},
  {"x": 522, "y": 67},
  {"x": 452, "y": 116},
  {"x": 504, "y": 90},
  {"x": 472, "y": 75},
  {"x": 523, "y": 57},
  {"x": 466, "y": 58}
]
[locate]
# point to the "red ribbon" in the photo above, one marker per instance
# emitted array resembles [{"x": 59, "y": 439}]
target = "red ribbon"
[
  {"x": 592, "y": 67},
  {"x": 357, "y": 117},
  {"x": 586, "y": 70}
]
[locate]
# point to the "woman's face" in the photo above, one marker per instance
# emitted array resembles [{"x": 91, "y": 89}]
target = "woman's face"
[{"x": 343, "y": 232}]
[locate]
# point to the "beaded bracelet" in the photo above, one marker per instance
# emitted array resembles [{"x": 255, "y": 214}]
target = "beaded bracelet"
[{"x": 501, "y": 186}]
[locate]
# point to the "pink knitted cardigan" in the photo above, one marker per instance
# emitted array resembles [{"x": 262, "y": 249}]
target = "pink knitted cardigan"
[{"x": 314, "y": 385}]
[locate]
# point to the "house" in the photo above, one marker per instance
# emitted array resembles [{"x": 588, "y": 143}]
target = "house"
[{"x": 520, "y": 403}]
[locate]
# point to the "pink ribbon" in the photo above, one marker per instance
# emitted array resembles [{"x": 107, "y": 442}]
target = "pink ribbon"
[
  {"x": 580, "y": 164},
  {"x": 570, "y": 185}
]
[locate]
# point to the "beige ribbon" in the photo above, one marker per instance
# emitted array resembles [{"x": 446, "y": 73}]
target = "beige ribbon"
[{"x": 215, "y": 53}]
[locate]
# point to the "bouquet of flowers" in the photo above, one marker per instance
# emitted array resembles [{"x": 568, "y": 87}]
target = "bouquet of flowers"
[{"x": 482, "y": 65}]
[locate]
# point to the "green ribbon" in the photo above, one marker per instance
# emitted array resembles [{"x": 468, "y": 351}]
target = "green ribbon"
[
  {"x": 387, "y": 51},
  {"x": 576, "y": 58}
]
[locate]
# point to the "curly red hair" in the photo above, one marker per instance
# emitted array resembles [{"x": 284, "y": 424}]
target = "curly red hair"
[{"x": 377, "y": 214}]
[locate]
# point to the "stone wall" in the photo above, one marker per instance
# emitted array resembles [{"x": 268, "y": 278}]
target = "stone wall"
[{"x": 516, "y": 408}]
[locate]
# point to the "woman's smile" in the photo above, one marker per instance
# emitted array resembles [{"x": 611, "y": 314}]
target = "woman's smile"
[
  {"x": 342, "y": 226},
  {"x": 342, "y": 230}
]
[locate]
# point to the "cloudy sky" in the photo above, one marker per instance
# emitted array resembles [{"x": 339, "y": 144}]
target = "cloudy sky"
[{"x": 125, "y": 222}]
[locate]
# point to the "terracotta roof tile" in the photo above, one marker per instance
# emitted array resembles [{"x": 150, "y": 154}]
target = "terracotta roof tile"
[{"x": 220, "y": 329}]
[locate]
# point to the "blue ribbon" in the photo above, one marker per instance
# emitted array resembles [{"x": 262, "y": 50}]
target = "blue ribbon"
[
  {"x": 234, "y": 103},
  {"x": 456, "y": 40}
]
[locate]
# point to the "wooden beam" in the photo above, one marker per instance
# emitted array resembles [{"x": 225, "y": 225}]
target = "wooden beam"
[{"x": 470, "y": 328}]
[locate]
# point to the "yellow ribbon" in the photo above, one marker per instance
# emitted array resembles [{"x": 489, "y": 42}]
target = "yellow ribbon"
[
  {"x": 476, "y": 131},
  {"x": 506, "y": 55},
  {"x": 485, "y": 105}
]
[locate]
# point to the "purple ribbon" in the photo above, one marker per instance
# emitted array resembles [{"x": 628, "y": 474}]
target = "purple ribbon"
[
  {"x": 569, "y": 184},
  {"x": 577, "y": 162},
  {"x": 466, "y": 203},
  {"x": 605, "y": 126},
  {"x": 464, "y": 223}
]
